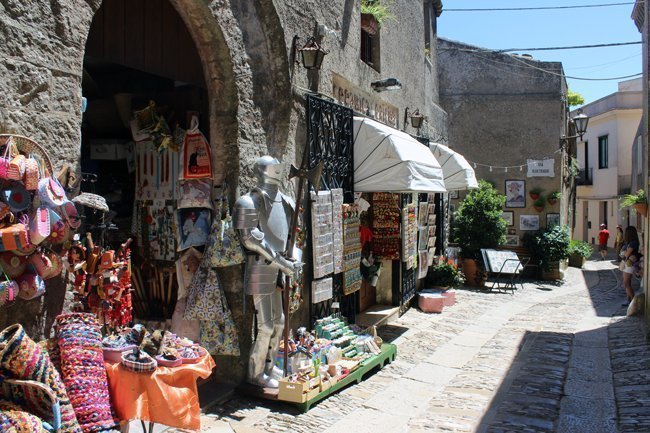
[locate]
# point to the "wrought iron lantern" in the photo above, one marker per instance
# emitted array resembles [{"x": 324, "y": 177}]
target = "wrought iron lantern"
[
  {"x": 312, "y": 54},
  {"x": 581, "y": 120}
]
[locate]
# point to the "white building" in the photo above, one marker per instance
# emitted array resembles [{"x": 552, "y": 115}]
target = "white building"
[{"x": 605, "y": 160}]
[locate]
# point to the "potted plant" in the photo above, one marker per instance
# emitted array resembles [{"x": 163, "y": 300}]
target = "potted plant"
[
  {"x": 478, "y": 224},
  {"x": 549, "y": 247},
  {"x": 553, "y": 197},
  {"x": 540, "y": 203},
  {"x": 638, "y": 201},
  {"x": 535, "y": 192},
  {"x": 444, "y": 276},
  {"x": 578, "y": 252},
  {"x": 373, "y": 14}
]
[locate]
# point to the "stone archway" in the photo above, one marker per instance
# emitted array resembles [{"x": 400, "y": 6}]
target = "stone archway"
[{"x": 218, "y": 74}]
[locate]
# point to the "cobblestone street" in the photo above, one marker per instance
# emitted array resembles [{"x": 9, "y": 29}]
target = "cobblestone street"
[{"x": 548, "y": 358}]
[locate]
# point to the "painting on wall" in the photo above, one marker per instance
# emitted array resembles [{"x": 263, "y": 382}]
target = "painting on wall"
[
  {"x": 515, "y": 193},
  {"x": 512, "y": 241},
  {"x": 552, "y": 219},
  {"x": 528, "y": 222},
  {"x": 509, "y": 216}
]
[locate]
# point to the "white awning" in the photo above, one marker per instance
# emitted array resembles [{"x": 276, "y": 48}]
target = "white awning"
[
  {"x": 388, "y": 160},
  {"x": 457, "y": 171}
]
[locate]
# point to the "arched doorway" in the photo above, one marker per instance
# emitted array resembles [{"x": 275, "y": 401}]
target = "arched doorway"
[{"x": 171, "y": 53}]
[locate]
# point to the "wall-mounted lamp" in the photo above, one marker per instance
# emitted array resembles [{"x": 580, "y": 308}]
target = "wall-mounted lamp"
[
  {"x": 312, "y": 54},
  {"x": 581, "y": 120},
  {"x": 415, "y": 117},
  {"x": 386, "y": 84}
]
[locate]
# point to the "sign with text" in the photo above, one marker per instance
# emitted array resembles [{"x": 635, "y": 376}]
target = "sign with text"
[
  {"x": 541, "y": 167},
  {"x": 352, "y": 97}
]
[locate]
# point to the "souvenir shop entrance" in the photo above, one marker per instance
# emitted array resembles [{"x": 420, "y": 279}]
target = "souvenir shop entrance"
[
  {"x": 377, "y": 267},
  {"x": 143, "y": 82}
]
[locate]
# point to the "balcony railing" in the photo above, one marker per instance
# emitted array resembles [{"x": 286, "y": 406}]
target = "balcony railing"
[{"x": 585, "y": 177}]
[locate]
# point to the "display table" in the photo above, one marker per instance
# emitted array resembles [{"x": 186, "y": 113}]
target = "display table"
[
  {"x": 387, "y": 355},
  {"x": 167, "y": 396}
]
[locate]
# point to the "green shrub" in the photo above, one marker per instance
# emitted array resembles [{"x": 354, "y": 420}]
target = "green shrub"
[
  {"x": 555, "y": 195},
  {"x": 548, "y": 246},
  {"x": 378, "y": 9},
  {"x": 580, "y": 248},
  {"x": 445, "y": 275},
  {"x": 540, "y": 202},
  {"x": 478, "y": 223},
  {"x": 632, "y": 199}
]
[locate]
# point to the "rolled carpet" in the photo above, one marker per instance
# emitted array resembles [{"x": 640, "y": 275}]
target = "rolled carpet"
[
  {"x": 22, "y": 358},
  {"x": 82, "y": 366}
]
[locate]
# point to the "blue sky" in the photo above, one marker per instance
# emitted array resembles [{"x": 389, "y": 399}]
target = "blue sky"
[{"x": 552, "y": 28}]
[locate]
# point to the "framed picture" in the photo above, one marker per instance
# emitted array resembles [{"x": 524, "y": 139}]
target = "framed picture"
[
  {"x": 193, "y": 227},
  {"x": 509, "y": 216},
  {"x": 528, "y": 222},
  {"x": 512, "y": 241},
  {"x": 512, "y": 231},
  {"x": 515, "y": 193},
  {"x": 552, "y": 219},
  {"x": 453, "y": 193}
]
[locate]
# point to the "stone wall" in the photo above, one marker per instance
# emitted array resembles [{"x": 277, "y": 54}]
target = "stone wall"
[
  {"x": 256, "y": 95},
  {"x": 503, "y": 111}
]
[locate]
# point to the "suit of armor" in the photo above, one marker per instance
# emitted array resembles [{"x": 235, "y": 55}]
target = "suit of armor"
[{"x": 262, "y": 219}]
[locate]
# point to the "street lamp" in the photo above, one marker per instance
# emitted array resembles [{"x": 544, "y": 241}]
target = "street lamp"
[{"x": 581, "y": 121}]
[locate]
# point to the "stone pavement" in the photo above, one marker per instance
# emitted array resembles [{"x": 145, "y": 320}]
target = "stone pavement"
[{"x": 551, "y": 357}]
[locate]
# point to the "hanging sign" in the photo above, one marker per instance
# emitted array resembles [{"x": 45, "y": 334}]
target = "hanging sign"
[
  {"x": 541, "y": 167},
  {"x": 197, "y": 162}
]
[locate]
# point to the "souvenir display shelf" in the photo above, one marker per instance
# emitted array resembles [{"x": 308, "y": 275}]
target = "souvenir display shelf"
[
  {"x": 337, "y": 229},
  {"x": 409, "y": 235},
  {"x": 351, "y": 249},
  {"x": 388, "y": 353},
  {"x": 332, "y": 356},
  {"x": 386, "y": 225},
  {"x": 322, "y": 224}
]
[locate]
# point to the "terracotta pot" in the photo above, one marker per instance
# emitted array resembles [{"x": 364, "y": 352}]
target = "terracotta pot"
[
  {"x": 534, "y": 196},
  {"x": 552, "y": 201},
  {"x": 473, "y": 274},
  {"x": 553, "y": 274},
  {"x": 641, "y": 208},
  {"x": 369, "y": 24},
  {"x": 539, "y": 208},
  {"x": 576, "y": 260}
]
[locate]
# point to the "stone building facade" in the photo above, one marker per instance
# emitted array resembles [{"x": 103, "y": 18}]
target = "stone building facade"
[
  {"x": 252, "y": 91},
  {"x": 503, "y": 111}
]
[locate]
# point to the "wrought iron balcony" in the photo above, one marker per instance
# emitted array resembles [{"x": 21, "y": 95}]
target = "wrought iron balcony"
[{"x": 585, "y": 177}]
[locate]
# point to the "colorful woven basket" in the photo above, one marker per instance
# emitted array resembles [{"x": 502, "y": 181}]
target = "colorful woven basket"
[
  {"x": 14, "y": 419},
  {"x": 21, "y": 358},
  {"x": 146, "y": 365},
  {"x": 82, "y": 367}
]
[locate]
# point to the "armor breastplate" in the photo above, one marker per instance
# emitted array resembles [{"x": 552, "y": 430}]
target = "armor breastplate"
[{"x": 274, "y": 220}]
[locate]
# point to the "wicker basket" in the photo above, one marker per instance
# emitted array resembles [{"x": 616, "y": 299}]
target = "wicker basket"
[
  {"x": 147, "y": 366},
  {"x": 27, "y": 146}
]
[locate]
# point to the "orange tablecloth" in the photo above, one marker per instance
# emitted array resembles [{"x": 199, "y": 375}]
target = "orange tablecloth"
[{"x": 167, "y": 396}]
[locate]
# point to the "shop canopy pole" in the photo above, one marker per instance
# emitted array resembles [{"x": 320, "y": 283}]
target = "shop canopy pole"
[{"x": 302, "y": 173}]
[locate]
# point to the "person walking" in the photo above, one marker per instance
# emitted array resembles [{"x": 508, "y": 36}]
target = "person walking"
[
  {"x": 631, "y": 256},
  {"x": 603, "y": 237},
  {"x": 618, "y": 242}
]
